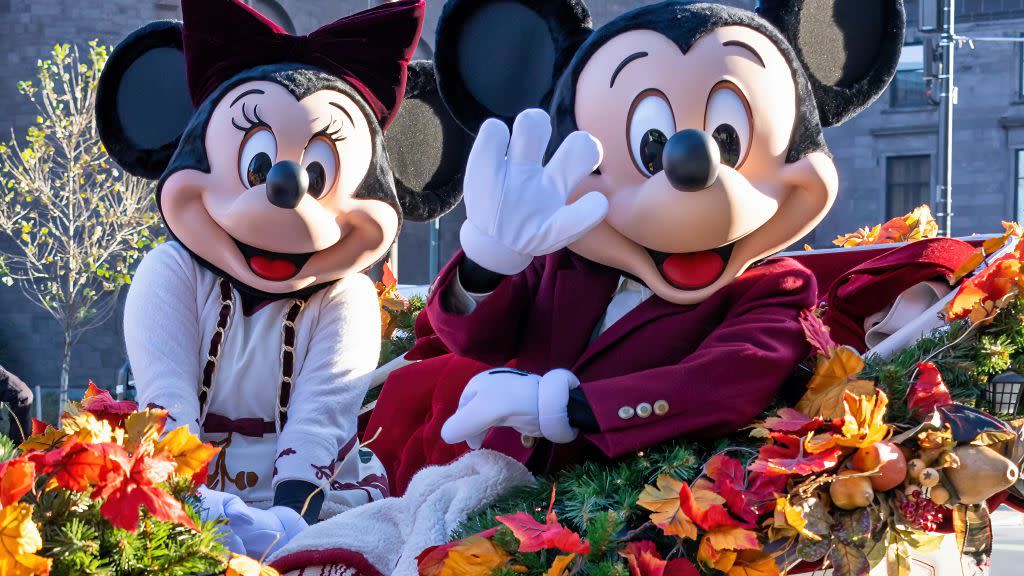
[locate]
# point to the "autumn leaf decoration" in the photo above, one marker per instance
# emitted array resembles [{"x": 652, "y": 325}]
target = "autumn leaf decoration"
[
  {"x": 928, "y": 392},
  {"x": 982, "y": 296},
  {"x": 834, "y": 376},
  {"x": 534, "y": 536},
  {"x": 105, "y": 451},
  {"x": 391, "y": 303},
  {"x": 917, "y": 225}
]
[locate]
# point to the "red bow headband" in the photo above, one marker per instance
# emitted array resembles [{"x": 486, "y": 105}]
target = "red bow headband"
[{"x": 370, "y": 50}]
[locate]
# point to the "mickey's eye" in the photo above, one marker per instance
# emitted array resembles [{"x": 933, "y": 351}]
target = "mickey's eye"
[
  {"x": 259, "y": 151},
  {"x": 650, "y": 125},
  {"x": 321, "y": 163},
  {"x": 728, "y": 121}
]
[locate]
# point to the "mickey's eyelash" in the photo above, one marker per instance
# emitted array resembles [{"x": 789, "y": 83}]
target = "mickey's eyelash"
[
  {"x": 333, "y": 135},
  {"x": 255, "y": 121}
]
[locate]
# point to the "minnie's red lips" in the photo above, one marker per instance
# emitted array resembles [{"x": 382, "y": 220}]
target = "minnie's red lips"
[
  {"x": 693, "y": 270},
  {"x": 273, "y": 266}
]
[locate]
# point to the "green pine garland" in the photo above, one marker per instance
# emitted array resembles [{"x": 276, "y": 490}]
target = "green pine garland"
[{"x": 598, "y": 500}]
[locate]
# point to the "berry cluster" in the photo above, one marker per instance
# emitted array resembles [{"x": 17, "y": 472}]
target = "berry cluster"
[{"x": 921, "y": 512}]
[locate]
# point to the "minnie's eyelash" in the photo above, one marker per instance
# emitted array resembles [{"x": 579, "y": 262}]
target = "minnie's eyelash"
[
  {"x": 335, "y": 135},
  {"x": 253, "y": 122}
]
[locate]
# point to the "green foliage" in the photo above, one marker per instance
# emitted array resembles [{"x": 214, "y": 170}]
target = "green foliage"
[
  {"x": 80, "y": 541},
  {"x": 403, "y": 339},
  {"x": 78, "y": 224}
]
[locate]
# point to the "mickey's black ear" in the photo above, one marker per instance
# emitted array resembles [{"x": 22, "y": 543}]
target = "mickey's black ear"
[
  {"x": 850, "y": 48},
  {"x": 142, "y": 101},
  {"x": 428, "y": 149},
  {"x": 496, "y": 58}
]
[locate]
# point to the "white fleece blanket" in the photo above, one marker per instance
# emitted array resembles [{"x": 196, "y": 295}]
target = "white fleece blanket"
[{"x": 384, "y": 537}]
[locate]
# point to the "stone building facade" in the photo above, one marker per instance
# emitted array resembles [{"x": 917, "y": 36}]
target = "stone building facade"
[{"x": 886, "y": 156}]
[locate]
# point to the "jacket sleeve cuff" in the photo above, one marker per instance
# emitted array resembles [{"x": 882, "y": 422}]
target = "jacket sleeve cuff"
[{"x": 553, "y": 405}]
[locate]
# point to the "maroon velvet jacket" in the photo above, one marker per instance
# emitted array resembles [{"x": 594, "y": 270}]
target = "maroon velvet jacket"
[{"x": 716, "y": 364}]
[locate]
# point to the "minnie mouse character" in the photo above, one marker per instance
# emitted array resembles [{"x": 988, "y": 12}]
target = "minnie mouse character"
[
  {"x": 628, "y": 277},
  {"x": 254, "y": 327}
]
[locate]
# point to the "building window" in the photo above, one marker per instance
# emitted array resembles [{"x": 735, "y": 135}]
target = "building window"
[
  {"x": 275, "y": 13},
  {"x": 908, "y": 183},
  {"x": 1018, "y": 174},
  {"x": 909, "y": 88}
]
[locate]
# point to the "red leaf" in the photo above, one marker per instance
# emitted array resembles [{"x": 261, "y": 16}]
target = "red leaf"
[
  {"x": 709, "y": 518},
  {"x": 643, "y": 560},
  {"x": 786, "y": 456},
  {"x": 16, "y": 478},
  {"x": 126, "y": 493},
  {"x": 793, "y": 421},
  {"x": 534, "y": 536},
  {"x": 77, "y": 466},
  {"x": 816, "y": 332},
  {"x": 102, "y": 405},
  {"x": 39, "y": 427},
  {"x": 928, "y": 392}
]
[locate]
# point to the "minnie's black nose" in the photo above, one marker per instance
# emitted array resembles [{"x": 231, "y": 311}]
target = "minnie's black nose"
[
  {"x": 691, "y": 160},
  {"x": 287, "y": 183}
]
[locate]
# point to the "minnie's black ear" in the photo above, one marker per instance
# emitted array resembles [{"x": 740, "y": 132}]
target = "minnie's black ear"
[
  {"x": 428, "y": 149},
  {"x": 850, "y": 48},
  {"x": 496, "y": 58},
  {"x": 142, "y": 101}
]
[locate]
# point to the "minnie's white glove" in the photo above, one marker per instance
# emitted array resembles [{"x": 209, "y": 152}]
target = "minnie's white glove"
[
  {"x": 516, "y": 207},
  {"x": 532, "y": 405},
  {"x": 250, "y": 531}
]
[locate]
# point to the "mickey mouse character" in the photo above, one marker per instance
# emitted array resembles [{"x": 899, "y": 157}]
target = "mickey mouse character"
[
  {"x": 254, "y": 327},
  {"x": 628, "y": 277}
]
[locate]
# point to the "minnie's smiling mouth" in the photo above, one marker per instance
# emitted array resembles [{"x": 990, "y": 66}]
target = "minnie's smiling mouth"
[
  {"x": 693, "y": 270},
  {"x": 273, "y": 266}
]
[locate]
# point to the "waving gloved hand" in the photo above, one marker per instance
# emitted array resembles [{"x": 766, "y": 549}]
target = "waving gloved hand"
[
  {"x": 515, "y": 206},
  {"x": 251, "y": 531},
  {"x": 533, "y": 405}
]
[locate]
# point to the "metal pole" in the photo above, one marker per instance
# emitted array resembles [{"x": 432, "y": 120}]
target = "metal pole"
[
  {"x": 435, "y": 249},
  {"x": 947, "y": 102}
]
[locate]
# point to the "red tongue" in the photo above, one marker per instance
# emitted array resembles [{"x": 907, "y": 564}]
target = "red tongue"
[
  {"x": 272, "y": 269},
  {"x": 694, "y": 270}
]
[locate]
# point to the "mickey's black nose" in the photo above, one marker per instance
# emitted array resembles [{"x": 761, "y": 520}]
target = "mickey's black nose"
[
  {"x": 287, "y": 183},
  {"x": 691, "y": 160}
]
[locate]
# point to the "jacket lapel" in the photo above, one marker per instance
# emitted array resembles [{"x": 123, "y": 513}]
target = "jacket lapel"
[
  {"x": 581, "y": 298},
  {"x": 648, "y": 311}
]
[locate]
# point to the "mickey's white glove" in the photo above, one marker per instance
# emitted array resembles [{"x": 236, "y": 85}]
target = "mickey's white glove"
[
  {"x": 251, "y": 531},
  {"x": 516, "y": 207},
  {"x": 532, "y": 405}
]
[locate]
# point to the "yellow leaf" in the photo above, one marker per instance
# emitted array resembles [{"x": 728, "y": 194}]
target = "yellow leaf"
[
  {"x": 142, "y": 430},
  {"x": 833, "y": 377},
  {"x": 864, "y": 420},
  {"x": 474, "y": 556},
  {"x": 190, "y": 453},
  {"x": 19, "y": 540},
  {"x": 560, "y": 567},
  {"x": 793, "y": 517},
  {"x": 663, "y": 502},
  {"x": 732, "y": 538},
  {"x": 51, "y": 439},
  {"x": 818, "y": 443},
  {"x": 89, "y": 429},
  {"x": 754, "y": 563},
  {"x": 721, "y": 560},
  {"x": 240, "y": 565}
]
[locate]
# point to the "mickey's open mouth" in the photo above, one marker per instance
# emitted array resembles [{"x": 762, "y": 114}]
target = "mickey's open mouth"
[
  {"x": 693, "y": 270},
  {"x": 273, "y": 266}
]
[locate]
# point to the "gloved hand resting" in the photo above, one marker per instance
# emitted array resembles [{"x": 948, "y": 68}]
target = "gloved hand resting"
[
  {"x": 532, "y": 405},
  {"x": 252, "y": 531}
]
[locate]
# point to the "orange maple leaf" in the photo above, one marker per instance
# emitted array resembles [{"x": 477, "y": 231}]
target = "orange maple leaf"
[
  {"x": 833, "y": 377},
  {"x": 16, "y": 478},
  {"x": 864, "y": 420},
  {"x": 44, "y": 438},
  {"x": 19, "y": 541},
  {"x": 77, "y": 466},
  {"x": 915, "y": 225},
  {"x": 138, "y": 487},
  {"x": 754, "y": 563},
  {"x": 142, "y": 429},
  {"x": 560, "y": 567},
  {"x": 989, "y": 247},
  {"x": 472, "y": 556},
  {"x": 667, "y": 512},
  {"x": 239, "y": 565},
  {"x": 188, "y": 451}
]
